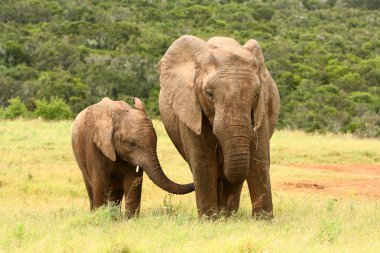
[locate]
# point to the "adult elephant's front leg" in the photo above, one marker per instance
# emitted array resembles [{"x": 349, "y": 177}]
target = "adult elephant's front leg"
[
  {"x": 260, "y": 190},
  {"x": 258, "y": 178},
  {"x": 202, "y": 160}
]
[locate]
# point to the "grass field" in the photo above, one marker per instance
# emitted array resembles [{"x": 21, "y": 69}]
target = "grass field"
[{"x": 326, "y": 199}]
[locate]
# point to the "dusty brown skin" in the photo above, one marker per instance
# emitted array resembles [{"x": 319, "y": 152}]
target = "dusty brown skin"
[
  {"x": 109, "y": 140},
  {"x": 219, "y": 105}
]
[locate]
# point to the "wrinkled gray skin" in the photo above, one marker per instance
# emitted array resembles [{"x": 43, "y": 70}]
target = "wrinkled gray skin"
[
  {"x": 220, "y": 105},
  {"x": 110, "y": 139}
]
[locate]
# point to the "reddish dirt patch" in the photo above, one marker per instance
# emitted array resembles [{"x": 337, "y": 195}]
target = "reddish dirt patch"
[
  {"x": 366, "y": 185},
  {"x": 345, "y": 168},
  {"x": 301, "y": 185}
]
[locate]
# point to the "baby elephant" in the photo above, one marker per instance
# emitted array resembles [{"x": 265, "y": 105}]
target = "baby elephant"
[{"x": 112, "y": 142}]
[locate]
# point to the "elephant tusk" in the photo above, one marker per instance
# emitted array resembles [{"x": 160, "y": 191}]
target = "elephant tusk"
[{"x": 137, "y": 169}]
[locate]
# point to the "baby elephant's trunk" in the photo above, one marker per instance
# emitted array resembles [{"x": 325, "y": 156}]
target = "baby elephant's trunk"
[{"x": 154, "y": 171}]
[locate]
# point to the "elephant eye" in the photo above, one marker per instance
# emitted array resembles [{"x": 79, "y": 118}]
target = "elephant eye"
[
  {"x": 209, "y": 95},
  {"x": 131, "y": 143}
]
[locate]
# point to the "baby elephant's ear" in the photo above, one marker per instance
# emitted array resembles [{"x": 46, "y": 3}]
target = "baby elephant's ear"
[
  {"x": 100, "y": 126},
  {"x": 138, "y": 104}
]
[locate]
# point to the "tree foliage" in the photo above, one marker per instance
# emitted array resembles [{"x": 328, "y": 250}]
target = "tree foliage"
[{"x": 323, "y": 54}]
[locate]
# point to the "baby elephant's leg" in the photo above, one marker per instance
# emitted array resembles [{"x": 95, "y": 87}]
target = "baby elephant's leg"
[
  {"x": 103, "y": 193},
  {"x": 132, "y": 191},
  {"x": 89, "y": 190},
  {"x": 115, "y": 196},
  {"x": 98, "y": 192}
]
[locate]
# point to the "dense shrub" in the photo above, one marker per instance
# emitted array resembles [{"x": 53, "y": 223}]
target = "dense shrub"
[
  {"x": 56, "y": 109},
  {"x": 15, "y": 109}
]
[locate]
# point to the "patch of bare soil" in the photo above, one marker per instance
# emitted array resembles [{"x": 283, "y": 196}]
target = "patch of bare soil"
[
  {"x": 345, "y": 168},
  {"x": 366, "y": 187}
]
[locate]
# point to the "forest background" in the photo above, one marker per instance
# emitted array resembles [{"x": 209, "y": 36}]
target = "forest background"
[{"x": 58, "y": 57}]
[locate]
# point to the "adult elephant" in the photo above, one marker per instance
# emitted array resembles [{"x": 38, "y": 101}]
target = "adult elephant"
[{"x": 219, "y": 105}]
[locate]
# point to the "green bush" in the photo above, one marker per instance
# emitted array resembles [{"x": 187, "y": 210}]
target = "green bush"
[
  {"x": 56, "y": 109},
  {"x": 15, "y": 109}
]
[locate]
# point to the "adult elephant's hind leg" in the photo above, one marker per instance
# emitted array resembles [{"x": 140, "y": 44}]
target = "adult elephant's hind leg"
[
  {"x": 229, "y": 196},
  {"x": 132, "y": 191}
]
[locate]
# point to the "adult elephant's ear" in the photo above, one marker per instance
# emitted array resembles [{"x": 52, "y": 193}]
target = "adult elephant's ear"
[
  {"x": 266, "y": 82},
  {"x": 177, "y": 70},
  {"x": 100, "y": 127}
]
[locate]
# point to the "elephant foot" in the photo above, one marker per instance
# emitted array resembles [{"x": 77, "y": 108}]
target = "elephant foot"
[
  {"x": 217, "y": 214},
  {"x": 227, "y": 213},
  {"x": 130, "y": 214},
  {"x": 262, "y": 215},
  {"x": 263, "y": 208},
  {"x": 132, "y": 208},
  {"x": 211, "y": 214}
]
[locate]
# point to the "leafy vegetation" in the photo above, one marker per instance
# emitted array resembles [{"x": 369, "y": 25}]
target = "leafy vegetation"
[
  {"x": 55, "y": 109},
  {"x": 45, "y": 208},
  {"x": 323, "y": 54},
  {"x": 16, "y": 109}
]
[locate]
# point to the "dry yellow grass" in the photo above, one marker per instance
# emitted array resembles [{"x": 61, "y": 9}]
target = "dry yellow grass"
[{"x": 44, "y": 206}]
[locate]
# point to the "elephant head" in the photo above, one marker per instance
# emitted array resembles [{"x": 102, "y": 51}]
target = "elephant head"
[
  {"x": 122, "y": 132},
  {"x": 224, "y": 83}
]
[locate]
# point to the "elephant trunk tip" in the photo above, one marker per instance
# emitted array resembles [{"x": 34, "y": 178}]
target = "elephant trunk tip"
[
  {"x": 234, "y": 179},
  {"x": 185, "y": 189},
  {"x": 236, "y": 175},
  {"x": 156, "y": 174}
]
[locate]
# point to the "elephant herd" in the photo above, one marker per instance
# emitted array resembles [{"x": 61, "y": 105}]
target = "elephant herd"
[{"x": 219, "y": 105}]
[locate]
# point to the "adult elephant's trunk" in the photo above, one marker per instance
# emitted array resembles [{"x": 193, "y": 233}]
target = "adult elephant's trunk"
[
  {"x": 236, "y": 160},
  {"x": 154, "y": 171},
  {"x": 235, "y": 141}
]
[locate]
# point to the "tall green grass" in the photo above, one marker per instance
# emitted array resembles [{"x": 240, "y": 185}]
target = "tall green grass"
[{"x": 44, "y": 206}]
